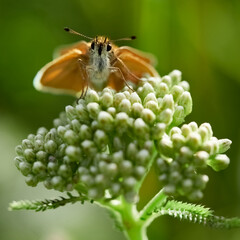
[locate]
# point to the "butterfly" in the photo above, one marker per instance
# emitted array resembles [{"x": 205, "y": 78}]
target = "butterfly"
[{"x": 95, "y": 64}]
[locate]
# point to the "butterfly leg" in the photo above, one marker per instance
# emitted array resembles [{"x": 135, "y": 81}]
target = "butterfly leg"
[
  {"x": 82, "y": 68},
  {"x": 116, "y": 69}
]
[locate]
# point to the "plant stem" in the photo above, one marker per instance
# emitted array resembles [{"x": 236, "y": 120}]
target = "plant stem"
[{"x": 158, "y": 200}]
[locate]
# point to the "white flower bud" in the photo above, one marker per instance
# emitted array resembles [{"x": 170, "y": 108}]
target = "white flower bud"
[
  {"x": 91, "y": 96},
  {"x": 176, "y": 76},
  {"x": 106, "y": 100},
  {"x": 148, "y": 116},
  {"x": 219, "y": 162},
  {"x": 134, "y": 98},
  {"x": 118, "y": 97},
  {"x": 224, "y": 145},
  {"x": 105, "y": 120},
  {"x": 93, "y": 109},
  {"x": 185, "y": 100},
  {"x": 167, "y": 80},
  {"x": 163, "y": 89},
  {"x": 124, "y": 106},
  {"x": 176, "y": 92},
  {"x": 184, "y": 85},
  {"x": 166, "y": 116},
  {"x": 137, "y": 109}
]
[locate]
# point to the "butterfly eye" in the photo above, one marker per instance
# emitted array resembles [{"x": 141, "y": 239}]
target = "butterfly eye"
[
  {"x": 109, "y": 47},
  {"x": 92, "y": 45}
]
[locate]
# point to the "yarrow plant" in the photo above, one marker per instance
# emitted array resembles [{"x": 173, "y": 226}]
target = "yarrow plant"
[{"x": 102, "y": 148}]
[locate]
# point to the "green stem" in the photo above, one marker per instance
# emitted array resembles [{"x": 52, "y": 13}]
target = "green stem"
[
  {"x": 157, "y": 201},
  {"x": 133, "y": 227}
]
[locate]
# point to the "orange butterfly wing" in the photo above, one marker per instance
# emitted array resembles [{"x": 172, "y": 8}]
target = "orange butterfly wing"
[
  {"x": 82, "y": 46},
  {"x": 132, "y": 65},
  {"x": 63, "y": 75}
]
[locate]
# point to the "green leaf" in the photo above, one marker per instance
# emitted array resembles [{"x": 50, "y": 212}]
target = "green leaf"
[{"x": 45, "y": 204}]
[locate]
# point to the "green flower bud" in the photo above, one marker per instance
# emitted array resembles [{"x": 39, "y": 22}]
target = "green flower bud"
[
  {"x": 19, "y": 150},
  {"x": 61, "y": 131},
  {"x": 184, "y": 85},
  {"x": 93, "y": 109},
  {"x": 186, "y": 130},
  {"x": 132, "y": 151},
  {"x": 139, "y": 171},
  {"x": 106, "y": 100},
  {"x": 89, "y": 147},
  {"x": 179, "y": 115},
  {"x": 134, "y": 98},
  {"x": 224, "y": 145},
  {"x": 74, "y": 153},
  {"x": 126, "y": 167},
  {"x": 129, "y": 182},
  {"x": 219, "y": 162},
  {"x": 76, "y": 125},
  {"x": 42, "y": 131},
  {"x": 27, "y": 144},
  {"x": 175, "y": 130},
  {"x": 152, "y": 105},
  {"x": 39, "y": 145},
  {"x": 81, "y": 112},
  {"x": 176, "y": 76},
  {"x": 50, "y": 146},
  {"x": 200, "y": 158},
  {"x": 111, "y": 169},
  {"x": 115, "y": 189},
  {"x": 185, "y": 100},
  {"x": 25, "y": 168},
  {"x": 162, "y": 165},
  {"x": 158, "y": 130},
  {"x": 193, "y": 126},
  {"x": 166, "y": 116},
  {"x": 65, "y": 171},
  {"x": 167, "y": 102},
  {"x": 142, "y": 157},
  {"x": 163, "y": 89},
  {"x": 91, "y": 96},
  {"x": 29, "y": 155},
  {"x": 57, "y": 182},
  {"x": 71, "y": 112},
  {"x": 148, "y": 116},
  {"x": 100, "y": 179},
  {"x": 124, "y": 106},
  {"x": 178, "y": 140},
  {"x": 118, "y": 99},
  {"x": 150, "y": 97},
  {"x": 141, "y": 129},
  {"x": 146, "y": 89},
  {"x": 39, "y": 168},
  {"x": 117, "y": 157},
  {"x": 211, "y": 147},
  {"x": 31, "y": 180},
  {"x": 105, "y": 120},
  {"x": 52, "y": 168},
  {"x": 18, "y": 160},
  {"x": 100, "y": 138},
  {"x": 112, "y": 111},
  {"x": 137, "y": 109},
  {"x": 167, "y": 80},
  {"x": 70, "y": 137},
  {"x": 166, "y": 147},
  {"x": 194, "y": 140},
  {"x": 176, "y": 92}
]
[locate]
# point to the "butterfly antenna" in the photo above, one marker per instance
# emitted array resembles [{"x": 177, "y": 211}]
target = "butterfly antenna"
[
  {"x": 124, "y": 39},
  {"x": 76, "y": 33}
]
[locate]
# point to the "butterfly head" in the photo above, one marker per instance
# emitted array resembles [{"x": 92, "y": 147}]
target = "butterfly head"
[{"x": 101, "y": 45}]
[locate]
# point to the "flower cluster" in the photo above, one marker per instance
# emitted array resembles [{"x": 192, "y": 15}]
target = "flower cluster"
[
  {"x": 184, "y": 153},
  {"x": 104, "y": 145}
]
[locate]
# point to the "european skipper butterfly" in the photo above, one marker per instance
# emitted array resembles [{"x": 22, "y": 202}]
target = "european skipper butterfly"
[{"x": 95, "y": 64}]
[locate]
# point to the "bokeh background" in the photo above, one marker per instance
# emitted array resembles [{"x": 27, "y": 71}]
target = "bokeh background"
[{"x": 201, "y": 38}]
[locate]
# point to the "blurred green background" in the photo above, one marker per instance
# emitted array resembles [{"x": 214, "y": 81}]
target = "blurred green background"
[{"x": 201, "y": 38}]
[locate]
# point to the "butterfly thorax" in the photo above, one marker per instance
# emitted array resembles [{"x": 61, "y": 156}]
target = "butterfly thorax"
[{"x": 98, "y": 69}]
